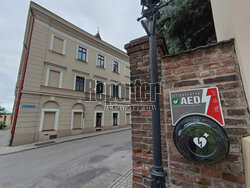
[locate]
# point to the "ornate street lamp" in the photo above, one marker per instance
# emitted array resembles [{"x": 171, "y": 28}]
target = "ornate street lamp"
[{"x": 150, "y": 11}]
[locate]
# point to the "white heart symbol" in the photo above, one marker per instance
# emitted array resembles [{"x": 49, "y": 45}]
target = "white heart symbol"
[{"x": 200, "y": 142}]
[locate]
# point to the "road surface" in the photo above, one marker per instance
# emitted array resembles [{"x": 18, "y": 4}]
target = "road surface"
[{"x": 89, "y": 163}]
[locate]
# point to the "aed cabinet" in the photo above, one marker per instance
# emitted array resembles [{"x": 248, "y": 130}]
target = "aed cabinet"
[{"x": 201, "y": 139}]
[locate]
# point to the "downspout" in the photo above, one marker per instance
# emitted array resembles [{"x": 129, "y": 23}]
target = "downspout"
[{"x": 19, "y": 93}]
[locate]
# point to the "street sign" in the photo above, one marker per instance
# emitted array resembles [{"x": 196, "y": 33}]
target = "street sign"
[{"x": 204, "y": 101}]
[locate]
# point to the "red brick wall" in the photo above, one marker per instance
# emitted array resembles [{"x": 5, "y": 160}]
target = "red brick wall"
[{"x": 209, "y": 66}]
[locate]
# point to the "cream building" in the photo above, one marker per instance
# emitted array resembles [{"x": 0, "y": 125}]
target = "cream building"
[
  {"x": 66, "y": 78},
  {"x": 232, "y": 20}
]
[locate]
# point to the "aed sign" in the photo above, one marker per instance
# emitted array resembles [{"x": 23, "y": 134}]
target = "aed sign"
[{"x": 204, "y": 101}]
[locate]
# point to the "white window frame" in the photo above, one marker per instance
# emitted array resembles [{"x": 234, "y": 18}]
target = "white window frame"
[
  {"x": 52, "y": 43},
  {"x": 129, "y": 93},
  {"x": 104, "y": 60},
  {"x": 87, "y": 53},
  {"x": 56, "y": 118},
  {"x": 118, "y": 118},
  {"x": 127, "y": 73},
  {"x": 130, "y": 119},
  {"x": 82, "y": 119},
  {"x": 49, "y": 68},
  {"x": 95, "y": 112},
  {"x": 119, "y": 88},
  {"x": 119, "y": 67},
  {"x": 80, "y": 75},
  {"x": 104, "y": 85}
]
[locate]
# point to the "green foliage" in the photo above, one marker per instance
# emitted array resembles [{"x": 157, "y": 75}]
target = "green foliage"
[
  {"x": 187, "y": 24},
  {"x": 2, "y": 111}
]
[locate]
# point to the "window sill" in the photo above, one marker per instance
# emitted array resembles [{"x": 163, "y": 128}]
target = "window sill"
[
  {"x": 103, "y": 68},
  {"x": 79, "y": 60},
  {"x": 77, "y": 129},
  {"x": 58, "y": 53},
  {"x": 116, "y": 72},
  {"x": 49, "y": 130}
]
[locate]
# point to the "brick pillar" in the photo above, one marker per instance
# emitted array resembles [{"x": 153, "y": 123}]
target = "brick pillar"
[
  {"x": 138, "y": 51},
  {"x": 210, "y": 66}
]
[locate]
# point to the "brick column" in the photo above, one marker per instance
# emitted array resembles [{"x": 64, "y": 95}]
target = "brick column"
[{"x": 138, "y": 51}]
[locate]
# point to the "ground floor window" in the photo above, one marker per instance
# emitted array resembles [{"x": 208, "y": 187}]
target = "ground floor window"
[
  {"x": 128, "y": 118},
  {"x": 77, "y": 120},
  {"x": 99, "y": 118},
  {"x": 115, "y": 118},
  {"x": 49, "y": 120}
]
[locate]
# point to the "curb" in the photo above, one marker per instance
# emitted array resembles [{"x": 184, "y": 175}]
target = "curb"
[
  {"x": 17, "y": 149},
  {"x": 118, "y": 180}
]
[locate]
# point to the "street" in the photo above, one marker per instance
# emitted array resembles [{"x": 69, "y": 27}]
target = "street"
[{"x": 93, "y": 162}]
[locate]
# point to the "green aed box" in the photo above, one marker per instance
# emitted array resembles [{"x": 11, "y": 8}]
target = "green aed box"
[{"x": 197, "y": 116}]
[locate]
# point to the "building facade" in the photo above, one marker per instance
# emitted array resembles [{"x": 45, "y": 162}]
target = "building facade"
[
  {"x": 231, "y": 20},
  {"x": 66, "y": 79}
]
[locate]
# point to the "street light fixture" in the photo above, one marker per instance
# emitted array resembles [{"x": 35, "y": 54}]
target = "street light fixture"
[{"x": 151, "y": 13}]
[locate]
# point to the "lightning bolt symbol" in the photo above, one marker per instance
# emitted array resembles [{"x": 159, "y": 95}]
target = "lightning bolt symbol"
[{"x": 205, "y": 99}]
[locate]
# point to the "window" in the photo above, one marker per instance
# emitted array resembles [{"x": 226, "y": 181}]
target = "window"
[
  {"x": 82, "y": 54},
  {"x": 115, "y": 118},
  {"x": 99, "y": 87},
  {"x": 127, "y": 92},
  {"x": 127, "y": 73},
  {"x": 79, "y": 84},
  {"x": 116, "y": 67},
  {"x": 49, "y": 119},
  {"x": 57, "y": 44},
  {"x": 100, "y": 61},
  {"x": 54, "y": 77},
  {"x": 115, "y": 92},
  {"x": 99, "y": 119}
]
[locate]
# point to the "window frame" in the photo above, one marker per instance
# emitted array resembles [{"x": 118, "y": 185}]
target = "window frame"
[
  {"x": 118, "y": 67},
  {"x": 102, "y": 122},
  {"x": 53, "y": 35},
  {"x": 104, "y": 85},
  {"x": 72, "y": 119},
  {"x": 49, "y": 68},
  {"x": 77, "y": 54},
  {"x": 80, "y": 75},
  {"x": 97, "y": 62},
  {"x": 118, "y": 118},
  {"x": 42, "y": 118}
]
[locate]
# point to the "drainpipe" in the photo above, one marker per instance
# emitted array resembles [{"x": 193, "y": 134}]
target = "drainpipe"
[{"x": 19, "y": 91}]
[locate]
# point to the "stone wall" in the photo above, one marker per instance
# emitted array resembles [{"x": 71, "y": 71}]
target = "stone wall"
[{"x": 209, "y": 66}]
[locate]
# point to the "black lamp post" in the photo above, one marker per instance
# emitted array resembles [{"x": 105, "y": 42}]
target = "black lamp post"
[{"x": 151, "y": 13}]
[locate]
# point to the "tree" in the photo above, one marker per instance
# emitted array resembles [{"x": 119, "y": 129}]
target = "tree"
[
  {"x": 187, "y": 24},
  {"x": 2, "y": 111}
]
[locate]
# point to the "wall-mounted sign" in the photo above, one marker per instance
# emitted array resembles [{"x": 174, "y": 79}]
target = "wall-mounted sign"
[
  {"x": 198, "y": 120},
  {"x": 28, "y": 106},
  {"x": 204, "y": 101}
]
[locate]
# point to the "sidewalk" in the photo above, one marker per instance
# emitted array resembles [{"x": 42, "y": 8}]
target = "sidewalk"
[
  {"x": 8, "y": 150},
  {"x": 125, "y": 181}
]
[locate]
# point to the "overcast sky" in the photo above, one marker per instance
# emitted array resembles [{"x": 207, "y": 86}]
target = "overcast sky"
[{"x": 116, "y": 20}]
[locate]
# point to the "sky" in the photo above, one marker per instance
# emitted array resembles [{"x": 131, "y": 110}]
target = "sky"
[{"x": 116, "y": 20}]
